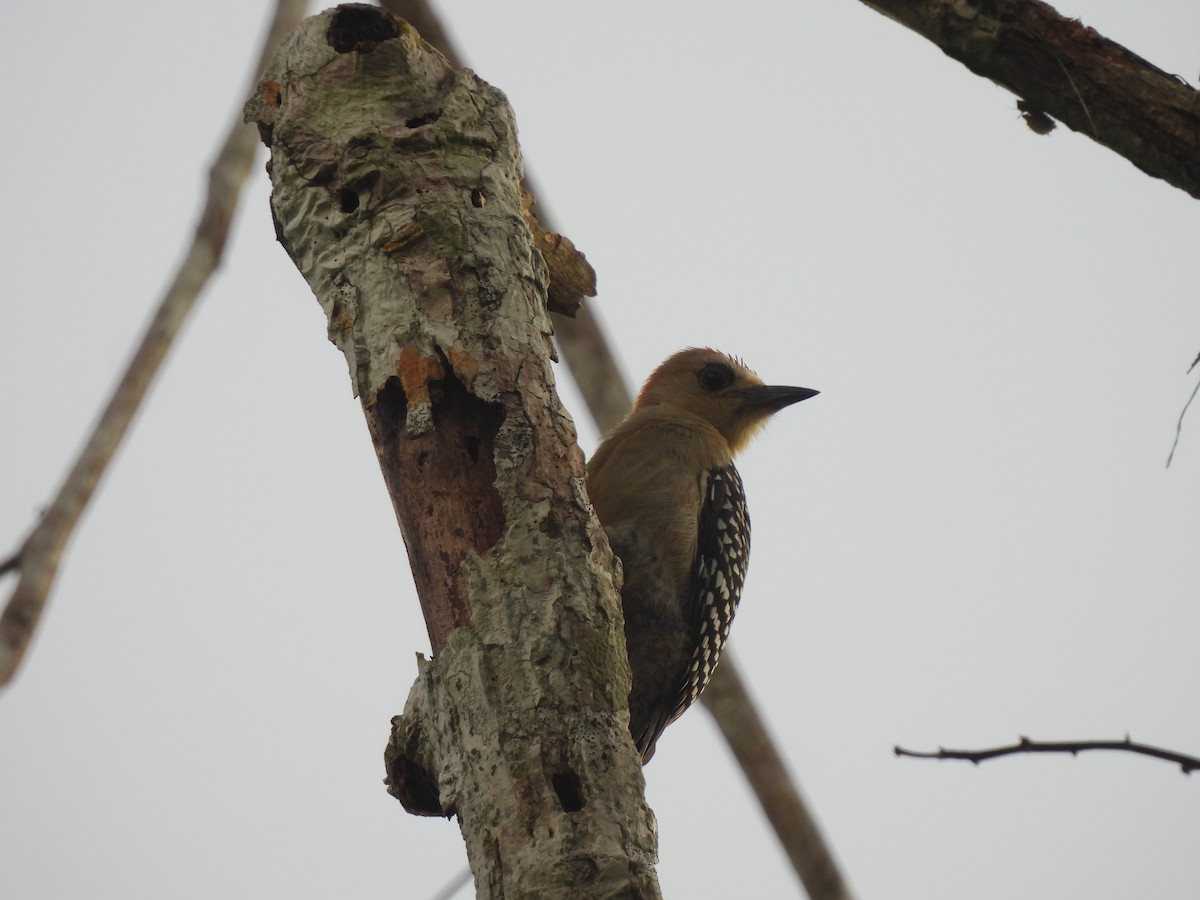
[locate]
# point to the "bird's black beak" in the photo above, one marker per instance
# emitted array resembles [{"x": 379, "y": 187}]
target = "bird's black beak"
[{"x": 773, "y": 397}]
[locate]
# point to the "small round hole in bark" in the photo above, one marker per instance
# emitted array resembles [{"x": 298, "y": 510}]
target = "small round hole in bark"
[{"x": 348, "y": 200}]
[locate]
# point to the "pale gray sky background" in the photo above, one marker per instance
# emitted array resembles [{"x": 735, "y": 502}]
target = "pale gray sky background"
[{"x": 969, "y": 536}]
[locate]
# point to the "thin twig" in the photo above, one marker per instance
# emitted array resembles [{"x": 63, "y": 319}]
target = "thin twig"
[
  {"x": 1183, "y": 412},
  {"x": 1185, "y": 761},
  {"x": 39, "y": 555},
  {"x": 1179, "y": 424}
]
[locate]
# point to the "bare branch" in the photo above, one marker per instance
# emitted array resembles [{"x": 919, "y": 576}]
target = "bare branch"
[
  {"x": 1179, "y": 424},
  {"x": 39, "y": 555},
  {"x": 731, "y": 705},
  {"x": 1186, "y": 762},
  {"x": 1062, "y": 68}
]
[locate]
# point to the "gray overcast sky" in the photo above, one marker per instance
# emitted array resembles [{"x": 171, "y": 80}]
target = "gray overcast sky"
[{"x": 969, "y": 536}]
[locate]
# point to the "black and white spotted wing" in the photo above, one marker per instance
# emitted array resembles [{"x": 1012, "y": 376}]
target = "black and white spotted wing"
[{"x": 719, "y": 571}]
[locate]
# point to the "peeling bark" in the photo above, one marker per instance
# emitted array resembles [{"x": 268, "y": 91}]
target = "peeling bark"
[{"x": 396, "y": 192}]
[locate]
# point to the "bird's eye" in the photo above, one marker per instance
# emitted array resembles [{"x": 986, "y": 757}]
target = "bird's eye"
[{"x": 715, "y": 377}]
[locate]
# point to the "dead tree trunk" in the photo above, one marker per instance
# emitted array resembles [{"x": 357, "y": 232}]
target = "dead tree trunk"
[{"x": 395, "y": 191}]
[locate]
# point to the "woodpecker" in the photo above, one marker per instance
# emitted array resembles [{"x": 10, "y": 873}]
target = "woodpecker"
[{"x": 666, "y": 491}]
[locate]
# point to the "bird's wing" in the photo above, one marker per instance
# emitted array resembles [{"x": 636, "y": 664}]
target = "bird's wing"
[{"x": 718, "y": 572}]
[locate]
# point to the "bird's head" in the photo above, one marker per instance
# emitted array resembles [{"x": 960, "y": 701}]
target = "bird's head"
[{"x": 720, "y": 389}]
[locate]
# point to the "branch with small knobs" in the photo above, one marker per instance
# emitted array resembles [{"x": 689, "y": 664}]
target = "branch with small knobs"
[{"x": 1186, "y": 762}]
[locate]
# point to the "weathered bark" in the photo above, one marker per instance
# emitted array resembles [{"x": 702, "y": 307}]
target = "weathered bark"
[
  {"x": 396, "y": 192},
  {"x": 1060, "y": 67}
]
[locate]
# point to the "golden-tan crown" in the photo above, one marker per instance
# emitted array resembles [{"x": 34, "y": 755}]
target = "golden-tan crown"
[{"x": 718, "y": 388}]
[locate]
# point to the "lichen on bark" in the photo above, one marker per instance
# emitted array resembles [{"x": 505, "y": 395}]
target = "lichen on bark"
[{"x": 395, "y": 190}]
